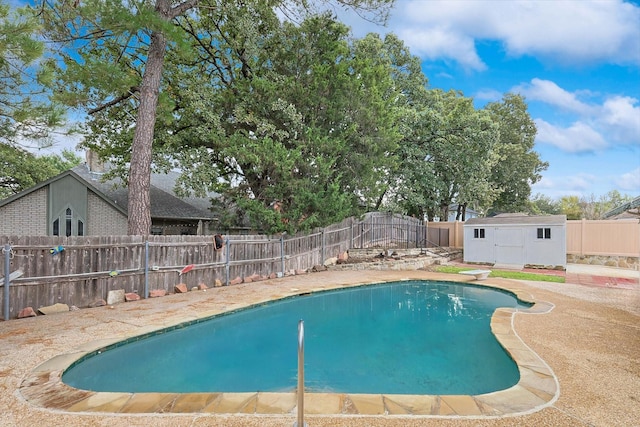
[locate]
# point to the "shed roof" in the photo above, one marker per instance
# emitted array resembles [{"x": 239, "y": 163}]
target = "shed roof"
[{"x": 519, "y": 220}]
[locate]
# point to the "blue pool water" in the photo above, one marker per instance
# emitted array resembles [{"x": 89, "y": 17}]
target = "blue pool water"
[{"x": 414, "y": 337}]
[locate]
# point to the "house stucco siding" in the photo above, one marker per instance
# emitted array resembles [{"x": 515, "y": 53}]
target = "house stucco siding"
[
  {"x": 103, "y": 219},
  {"x": 25, "y": 216}
]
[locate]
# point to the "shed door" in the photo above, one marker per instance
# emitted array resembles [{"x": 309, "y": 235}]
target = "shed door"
[{"x": 509, "y": 246}]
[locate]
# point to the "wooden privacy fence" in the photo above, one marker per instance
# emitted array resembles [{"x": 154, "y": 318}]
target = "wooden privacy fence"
[{"x": 81, "y": 270}]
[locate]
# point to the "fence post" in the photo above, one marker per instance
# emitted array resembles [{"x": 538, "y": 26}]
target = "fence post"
[
  {"x": 7, "y": 279},
  {"x": 282, "y": 253},
  {"x": 226, "y": 262},
  {"x": 408, "y": 231},
  {"x": 322, "y": 248},
  {"x": 351, "y": 235},
  {"x": 146, "y": 269}
]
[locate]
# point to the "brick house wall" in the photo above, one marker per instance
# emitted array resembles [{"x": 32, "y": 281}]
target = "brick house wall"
[
  {"x": 102, "y": 219},
  {"x": 26, "y": 215}
]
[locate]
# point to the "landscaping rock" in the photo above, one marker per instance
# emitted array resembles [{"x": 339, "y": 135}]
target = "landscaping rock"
[
  {"x": 53, "y": 309},
  {"x": 181, "y": 288},
  {"x": 202, "y": 287},
  {"x": 236, "y": 281},
  {"x": 115, "y": 297},
  {"x": 98, "y": 303},
  {"x": 131, "y": 296},
  {"x": 157, "y": 293},
  {"x": 316, "y": 268},
  {"x": 26, "y": 312},
  {"x": 217, "y": 283},
  {"x": 330, "y": 261}
]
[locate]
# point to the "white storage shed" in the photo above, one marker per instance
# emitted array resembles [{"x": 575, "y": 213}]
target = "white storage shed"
[{"x": 517, "y": 240}]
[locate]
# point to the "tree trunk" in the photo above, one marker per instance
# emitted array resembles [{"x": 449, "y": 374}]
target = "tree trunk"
[
  {"x": 139, "y": 209},
  {"x": 139, "y": 222},
  {"x": 444, "y": 213}
]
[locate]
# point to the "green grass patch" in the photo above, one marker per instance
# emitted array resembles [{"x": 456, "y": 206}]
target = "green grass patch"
[{"x": 517, "y": 275}]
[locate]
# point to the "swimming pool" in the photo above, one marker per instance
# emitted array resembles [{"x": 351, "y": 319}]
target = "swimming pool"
[{"x": 413, "y": 337}]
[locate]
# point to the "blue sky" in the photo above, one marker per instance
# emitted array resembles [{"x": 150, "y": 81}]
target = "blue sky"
[{"x": 576, "y": 62}]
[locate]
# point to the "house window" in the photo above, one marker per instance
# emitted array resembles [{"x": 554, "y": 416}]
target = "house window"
[
  {"x": 69, "y": 220},
  {"x": 478, "y": 233},
  {"x": 67, "y": 223},
  {"x": 544, "y": 233}
]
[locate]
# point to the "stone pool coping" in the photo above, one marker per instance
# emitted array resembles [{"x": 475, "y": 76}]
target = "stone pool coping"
[{"x": 537, "y": 388}]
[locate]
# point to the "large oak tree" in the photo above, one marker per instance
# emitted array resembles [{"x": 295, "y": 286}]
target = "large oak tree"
[{"x": 113, "y": 54}]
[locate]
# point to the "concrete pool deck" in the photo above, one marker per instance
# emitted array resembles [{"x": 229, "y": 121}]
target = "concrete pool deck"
[{"x": 589, "y": 342}]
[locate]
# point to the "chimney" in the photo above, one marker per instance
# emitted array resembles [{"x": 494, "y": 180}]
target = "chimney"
[{"x": 93, "y": 162}]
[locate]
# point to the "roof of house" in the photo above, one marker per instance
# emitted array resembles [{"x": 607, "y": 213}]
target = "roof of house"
[
  {"x": 165, "y": 204},
  {"x": 623, "y": 211},
  {"x": 519, "y": 219},
  {"x": 454, "y": 207}
]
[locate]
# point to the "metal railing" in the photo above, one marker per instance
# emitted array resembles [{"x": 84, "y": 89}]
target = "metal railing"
[{"x": 300, "y": 422}]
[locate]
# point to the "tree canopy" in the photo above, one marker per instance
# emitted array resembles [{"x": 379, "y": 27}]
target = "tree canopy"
[
  {"x": 293, "y": 123},
  {"x": 113, "y": 53},
  {"x": 519, "y": 166},
  {"x": 447, "y": 156},
  {"x": 27, "y": 117}
]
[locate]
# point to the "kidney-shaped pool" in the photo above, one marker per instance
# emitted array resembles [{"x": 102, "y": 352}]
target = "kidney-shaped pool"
[{"x": 410, "y": 337}]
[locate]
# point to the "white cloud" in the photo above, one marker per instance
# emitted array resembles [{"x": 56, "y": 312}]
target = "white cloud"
[
  {"x": 608, "y": 121},
  {"x": 630, "y": 181},
  {"x": 621, "y": 117},
  {"x": 59, "y": 140},
  {"x": 544, "y": 183},
  {"x": 580, "y": 182},
  {"x": 566, "y": 31},
  {"x": 579, "y": 137},
  {"x": 438, "y": 43},
  {"x": 489, "y": 95},
  {"x": 550, "y": 93}
]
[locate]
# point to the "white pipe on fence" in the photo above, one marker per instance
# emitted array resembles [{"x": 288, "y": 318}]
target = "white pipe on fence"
[
  {"x": 226, "y": 266},
  {"x": 282, "y": 254},
  {"x": 7, "y": 279},
  {"x": 146, "y": 269}
]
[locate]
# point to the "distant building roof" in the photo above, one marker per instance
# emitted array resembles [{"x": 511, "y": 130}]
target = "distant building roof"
[
  {"x": 165, "y": 203},
  {"x": 624, "y": 208}
]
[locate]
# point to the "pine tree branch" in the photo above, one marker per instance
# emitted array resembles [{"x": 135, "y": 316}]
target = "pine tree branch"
[{"x": 129, "y": 94}]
